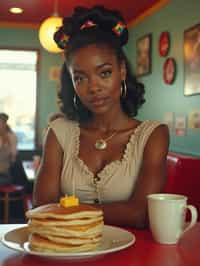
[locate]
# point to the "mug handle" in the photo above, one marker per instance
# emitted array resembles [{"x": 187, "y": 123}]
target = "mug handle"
[{"x": 194, "y": 216}]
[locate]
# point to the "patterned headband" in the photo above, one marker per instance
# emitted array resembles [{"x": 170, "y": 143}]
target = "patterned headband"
[
  {"x": 87, "y": 24},
  {"x": 63, "y": 41},
  {"x": 117, "y": 29}
]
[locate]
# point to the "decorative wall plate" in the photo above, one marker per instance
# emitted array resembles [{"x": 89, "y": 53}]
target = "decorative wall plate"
[
  {"x": 169, "y": 70},
  {"x": 164, "y": 43}
]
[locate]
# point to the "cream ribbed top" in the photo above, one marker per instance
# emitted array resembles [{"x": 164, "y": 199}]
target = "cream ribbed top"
[{"x": 116, "y": 179}]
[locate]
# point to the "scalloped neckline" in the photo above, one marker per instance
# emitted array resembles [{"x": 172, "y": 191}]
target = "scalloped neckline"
[{"x": 107, "y": 168}]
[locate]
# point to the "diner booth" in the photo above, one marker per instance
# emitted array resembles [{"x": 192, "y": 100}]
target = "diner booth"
[{"x": 168, "y": 30}]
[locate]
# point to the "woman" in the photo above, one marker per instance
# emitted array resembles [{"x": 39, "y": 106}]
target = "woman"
[
  {"x": 8, "y": 150},
  {"x": 99, "y": 152}
]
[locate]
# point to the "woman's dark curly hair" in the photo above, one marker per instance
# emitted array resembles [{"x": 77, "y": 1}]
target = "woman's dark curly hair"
[{"x": 75, "y": 34}]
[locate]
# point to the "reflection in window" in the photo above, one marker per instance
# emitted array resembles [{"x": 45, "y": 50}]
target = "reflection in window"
[{"x": 18, "y": 85}]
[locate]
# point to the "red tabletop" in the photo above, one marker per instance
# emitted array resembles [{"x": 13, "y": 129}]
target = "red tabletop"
[{"x": 145, "y": 252}]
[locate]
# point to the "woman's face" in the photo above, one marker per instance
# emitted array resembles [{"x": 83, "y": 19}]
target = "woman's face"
[{"x": 97, "y": 76}]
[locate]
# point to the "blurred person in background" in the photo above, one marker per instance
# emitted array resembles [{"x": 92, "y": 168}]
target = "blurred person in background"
[{"x": 8, "y": 150}]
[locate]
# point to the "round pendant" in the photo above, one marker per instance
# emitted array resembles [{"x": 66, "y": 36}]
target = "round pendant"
[{"x": 100, "y": 144}]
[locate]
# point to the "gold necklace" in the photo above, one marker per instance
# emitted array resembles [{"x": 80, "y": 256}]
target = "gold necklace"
[{"x": 101, "y": 144}]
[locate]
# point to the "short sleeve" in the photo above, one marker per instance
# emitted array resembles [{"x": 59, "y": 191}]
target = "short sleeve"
[
  {"x": 146, "y": 130},
  {"x": 63, "y": 129}
]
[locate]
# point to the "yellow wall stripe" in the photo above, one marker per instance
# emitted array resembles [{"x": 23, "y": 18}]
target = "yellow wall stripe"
[
  {"x": 19, "y": 25},
  {"x": 148, "y": 12}
]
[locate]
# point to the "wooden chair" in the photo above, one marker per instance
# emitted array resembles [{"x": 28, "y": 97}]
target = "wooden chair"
[
  {"x": 183, "y": 177},
  {"x": 8, "y": 194}
]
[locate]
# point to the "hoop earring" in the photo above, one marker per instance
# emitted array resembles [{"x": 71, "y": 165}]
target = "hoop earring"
[
  {"x": 75, "y": 101},
  {"x": 123, "y": 89}
]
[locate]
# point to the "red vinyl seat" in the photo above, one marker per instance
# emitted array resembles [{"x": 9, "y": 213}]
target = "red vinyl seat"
[
  {"x": 183, "y": 177},
  {"x": 8, "y": 194}
]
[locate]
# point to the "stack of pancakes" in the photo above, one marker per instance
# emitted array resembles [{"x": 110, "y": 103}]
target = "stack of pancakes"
[{"x": 54, "y": 228}]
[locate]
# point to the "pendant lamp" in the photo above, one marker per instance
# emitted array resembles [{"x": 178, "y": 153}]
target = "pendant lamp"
[{"x": 47, "y": 30}]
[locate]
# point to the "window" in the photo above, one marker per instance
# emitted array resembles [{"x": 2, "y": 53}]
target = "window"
[{"x": 18, "y": 87}]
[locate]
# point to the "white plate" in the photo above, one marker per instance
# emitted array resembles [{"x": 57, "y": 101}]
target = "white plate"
[{"x": 114, "y": 239}]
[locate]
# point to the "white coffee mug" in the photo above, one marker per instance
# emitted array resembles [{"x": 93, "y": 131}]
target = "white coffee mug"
[{"x": 167, "y": 216}]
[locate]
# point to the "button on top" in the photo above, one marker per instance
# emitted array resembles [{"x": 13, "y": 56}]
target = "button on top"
[
  {"x": 96, "y": 179},
  {"x": 96, "y": 201}
]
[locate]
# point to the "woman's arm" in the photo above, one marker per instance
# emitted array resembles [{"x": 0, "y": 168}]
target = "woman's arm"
[
  {"x": 13, "y": 145},
  {"x": 151, "y": 179},
  {"x": 47, "y": 184}
]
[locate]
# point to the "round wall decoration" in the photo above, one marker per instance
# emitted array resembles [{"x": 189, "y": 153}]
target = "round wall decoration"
[
  {"x": 169, "y": 70},
  {"x": 164, "y": 43}
]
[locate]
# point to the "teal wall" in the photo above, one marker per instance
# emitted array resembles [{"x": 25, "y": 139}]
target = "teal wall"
[
  {"x": 175, "y": 17},
  {"x": 46, "y": 91}
]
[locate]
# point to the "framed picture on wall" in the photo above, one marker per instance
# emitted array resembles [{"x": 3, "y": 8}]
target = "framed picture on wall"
[
  {"x": 192, "y": 60},
  {"x": 143, "y": 55}
]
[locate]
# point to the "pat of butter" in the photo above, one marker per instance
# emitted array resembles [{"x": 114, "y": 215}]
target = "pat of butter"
[{"x": 69, "y": 201}]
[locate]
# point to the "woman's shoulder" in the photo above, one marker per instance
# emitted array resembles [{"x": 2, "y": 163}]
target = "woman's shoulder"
[
  {"x": 62, "y": 122},
  {"x": 11, "y": 136},
  {"x": 151, "y": 125},
  {"x": 146, "y": 125},
  {"x": 63, "y": 128},
  {"x": 147, "y": 128}
]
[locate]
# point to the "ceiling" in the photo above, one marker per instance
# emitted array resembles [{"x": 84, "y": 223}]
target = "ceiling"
[{"x": 35, "y": 11}]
